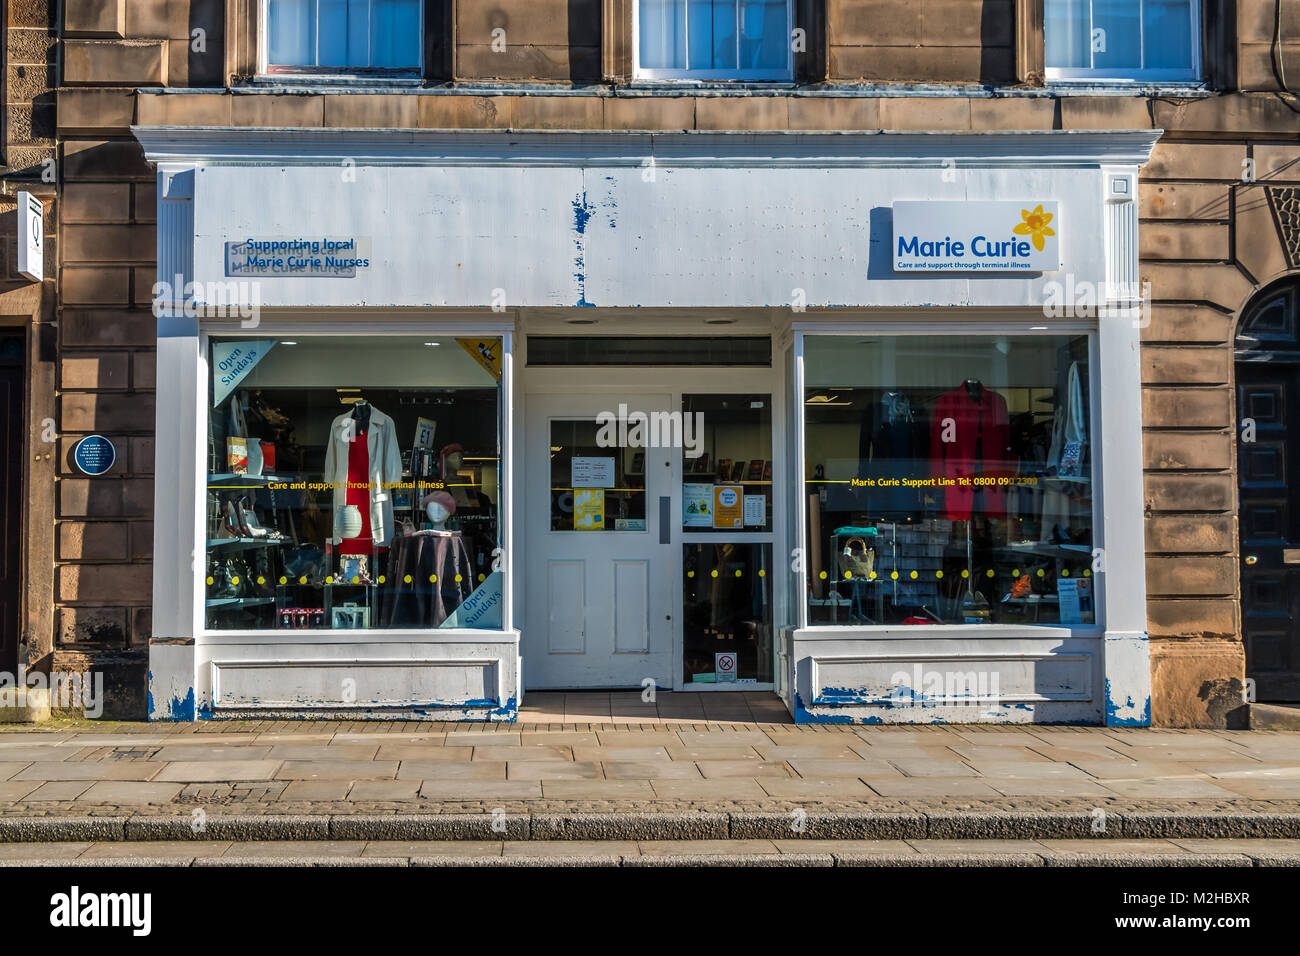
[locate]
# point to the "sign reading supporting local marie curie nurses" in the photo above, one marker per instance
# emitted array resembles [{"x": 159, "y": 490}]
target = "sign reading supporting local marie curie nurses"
[{"x": 1021, "y": 236}]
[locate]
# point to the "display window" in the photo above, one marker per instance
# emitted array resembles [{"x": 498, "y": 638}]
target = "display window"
[
  {"x": 354, "y": 483},
  {"x": 727, "y": 603},
  {"x": 948, "y": 480}
]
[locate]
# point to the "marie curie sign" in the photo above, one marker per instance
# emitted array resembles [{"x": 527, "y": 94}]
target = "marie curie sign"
[{"x": 976, "y": 237}]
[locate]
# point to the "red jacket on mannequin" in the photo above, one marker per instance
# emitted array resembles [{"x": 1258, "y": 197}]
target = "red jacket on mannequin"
[{"x": 981, "y": 440}]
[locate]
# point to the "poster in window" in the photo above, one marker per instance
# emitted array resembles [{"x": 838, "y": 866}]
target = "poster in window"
[
  {"x": 728, "y": 506},
  {"x": 697, "y": 506},
  {"x": 588, "y": 509},
  {"x": 592, "y": 472}
]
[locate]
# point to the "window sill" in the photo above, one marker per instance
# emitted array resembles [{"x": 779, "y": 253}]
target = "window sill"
[
  {"x": 1077, "y": 86},
  {"x": 342, "y": 83}
]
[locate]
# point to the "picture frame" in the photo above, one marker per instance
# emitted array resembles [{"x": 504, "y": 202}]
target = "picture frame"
[
  {"x": 737, "y": 472},
  {"x": 724, "y": 469},
  {"x": 638, "y": 464},
  {"x": 350, "y": 618},
  {"x": 700, "y": 466},
  {"x": 755, "y": 472},
  {"x": 767, "y": 470}
]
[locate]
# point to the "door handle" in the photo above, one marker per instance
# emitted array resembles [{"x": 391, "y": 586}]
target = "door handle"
[{"x": 665, "y": 515}]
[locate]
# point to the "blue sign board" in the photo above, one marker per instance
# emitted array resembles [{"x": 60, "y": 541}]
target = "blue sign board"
[{"x": 94, "y": 455}]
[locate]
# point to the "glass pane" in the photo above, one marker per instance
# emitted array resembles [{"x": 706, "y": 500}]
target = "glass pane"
[
  {"x": 334, "y": 33},
  {"x": 395, "y": 33},
  {"x": 1167, "y": 32},
  {"x": 727, "y": 463},
  {"x": 353, "y": 483},
  {"x": 1116, "y": 37},
  {"x": 765, "y": 35},
  {"x": 662, "y": 28},
  {"x": 712, "y": 34},
  {"x": 949, "y": 480},
  {"x": 649, "y": 350},
  {"x": 1066, "y": 26},
  {"x": 597, "y": 484},
  {"x": 291, "y": 33},
  {"x": 727, "y": 602}
]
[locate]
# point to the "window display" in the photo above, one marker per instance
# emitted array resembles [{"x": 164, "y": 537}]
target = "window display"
[
  {"x": 727, "y": 475},
  {"x": 948, "y": 480},
  {"x": 353, "y": 483}
]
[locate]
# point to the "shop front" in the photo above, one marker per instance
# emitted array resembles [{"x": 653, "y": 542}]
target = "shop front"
[{"x": 444, "y": 417}]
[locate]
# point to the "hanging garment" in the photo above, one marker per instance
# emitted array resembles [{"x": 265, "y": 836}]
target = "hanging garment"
[
  {"x": 980, "y": 447},
  {"x": 1066, "y": 457},
  {"x": 421, "y": 602},
  {"x": 383, "y": 470},
  {"x": 891, "y": 445},
  {"x": 357, "y": 494}
]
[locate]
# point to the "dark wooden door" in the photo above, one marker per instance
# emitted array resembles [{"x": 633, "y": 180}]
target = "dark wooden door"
[{"x": 11, "y": 515}]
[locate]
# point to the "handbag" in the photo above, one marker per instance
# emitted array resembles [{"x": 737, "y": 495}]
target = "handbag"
[
  {"x": 226, "y": 578},
  {"x": 857, "y": 559}
]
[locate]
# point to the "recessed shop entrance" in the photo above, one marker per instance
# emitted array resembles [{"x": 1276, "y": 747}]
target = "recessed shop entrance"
[{"x": 648, "y": 520}]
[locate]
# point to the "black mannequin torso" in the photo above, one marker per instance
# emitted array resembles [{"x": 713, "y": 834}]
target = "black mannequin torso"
[{"x": 361, "y": 415}]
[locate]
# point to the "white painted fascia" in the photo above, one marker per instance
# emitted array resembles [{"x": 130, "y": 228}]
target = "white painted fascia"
[{"x": 195, "y": 145}]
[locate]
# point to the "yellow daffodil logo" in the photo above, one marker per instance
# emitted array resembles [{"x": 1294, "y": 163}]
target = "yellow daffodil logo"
[{"x": 1035, "y": 226}]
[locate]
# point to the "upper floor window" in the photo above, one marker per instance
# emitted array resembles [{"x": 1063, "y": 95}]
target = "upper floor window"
[
  {"x": 714, "y": 39},
  {"x": 1122, "y": 39},
  {"x": 343, "y": 36}
]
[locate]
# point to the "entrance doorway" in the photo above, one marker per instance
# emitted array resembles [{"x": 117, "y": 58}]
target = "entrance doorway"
[
  {"x": 12, "y": 353},
  {"x": 1268, "y": 466},
  {"x": 649, "y": 516}
]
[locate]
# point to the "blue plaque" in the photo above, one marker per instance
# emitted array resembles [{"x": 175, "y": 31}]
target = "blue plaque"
[{"x": 94, "y": 455}]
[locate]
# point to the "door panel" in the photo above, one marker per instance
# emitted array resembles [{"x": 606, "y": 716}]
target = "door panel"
[
  {"x": 592, "y": 519},
  {"x": 1267, "y": 394},
  {"x": 11, "y": 445}
]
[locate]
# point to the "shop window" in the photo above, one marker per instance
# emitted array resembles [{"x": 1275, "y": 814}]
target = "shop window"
[
  {"x": 727, "y": 468},
  {"x": 948, "y": 480},
  {"x": 1122, "y": 39},
  {"x": 727, "y": 605},
  {"x": 714, "y": 39},
  {"x": 354, "y": 483},
  {"x": 343, "y": 36}
]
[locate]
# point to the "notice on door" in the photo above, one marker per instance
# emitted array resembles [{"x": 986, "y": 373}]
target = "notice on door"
[
  {"x": 592, "y": 473},
  {"x": 588, "y": 509},
  {"x": 724, "y": 667},
  {"x": 728, "y": 507}
]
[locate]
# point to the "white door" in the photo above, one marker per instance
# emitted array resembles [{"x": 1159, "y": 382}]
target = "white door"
[{"x": 599, "y": 559}]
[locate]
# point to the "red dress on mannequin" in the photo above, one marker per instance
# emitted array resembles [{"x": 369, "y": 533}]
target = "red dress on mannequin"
[{"x": 358, "y": 494}]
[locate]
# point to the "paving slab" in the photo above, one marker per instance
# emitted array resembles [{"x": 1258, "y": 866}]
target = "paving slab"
[
  {"x": 204, "y": 771},
  {"x": 717, "y": 769},
  {"x": 481, "y": 789},
  {"x": 311, "y": 791},
  {"x": 130, "y": 792},
  {"x": 646, "y": 769},
  {"x": 58, "y": 790},
  {"x": 728, "y": 788},
  {"x": 384, "y": 790},
  {"x": 553, "y": 770},
  {"x": 338, "y": 770},
  {"x": 931, "y": 787},
  {"x": 105, "y": 770},
  {"x": 827, "y": 788},
  {"x": 210, "y": 752},
  {"x": 597, "y": 789},
  {"x": 1184, "y": 788},
  {"x": 424, "y": 752}
]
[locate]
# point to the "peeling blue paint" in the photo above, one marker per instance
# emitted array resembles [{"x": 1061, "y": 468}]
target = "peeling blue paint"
[
  {"x": 1126, "y": 713},
  {"x": 178, "y": 708}
]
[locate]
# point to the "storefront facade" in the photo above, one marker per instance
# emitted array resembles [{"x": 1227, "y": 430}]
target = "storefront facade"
[{"x": 851, "y": 417}]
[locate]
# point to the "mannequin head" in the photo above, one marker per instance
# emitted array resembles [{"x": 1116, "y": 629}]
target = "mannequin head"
[
  {"x": 451, "y": 457},
  {"x": 439, "y": 506}
]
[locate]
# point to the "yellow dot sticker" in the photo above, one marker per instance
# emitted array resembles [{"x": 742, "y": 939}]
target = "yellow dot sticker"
[
  {"x": 965, "y": 573},
  {"x": 938, "y": 574},
  {"x": 822, "y": 575},
  {"x": 482, "y": 577},
  {"x": 1015, "y": 572},
  {"x": 1040, "y": 572},
  {"x": 847, "y": 575},
  {"x": 234, "y": 579},
  {"x": 762, "y": 573},
  {"x": 690, "y": 574},
  {"x": 914, "y": 575},
  {"x": 210, "y": 581},
  {"x": 261, "y": 580},
  {"x": 381, "y": 579},
  {"x": 893, "y": 575},
  {"x": 738, "y": 573},
  {"x": 283, "y": 579},
  {"x": 356, "y": 579},
  {"x": 989, "y": 573},
  {"x": 433, "y": 579},
  {"x": 329, "y": 579},
  {"x": 713, "y": 573},
  {"x": 303, "y": 579},
  {"x": 459, "y": 579},
  {"x": 406, "y": 579},
  {"x": 872, "y": 575},
  {"x": 1087, "y": 572},
  {"x": 1065, "y": 572}
]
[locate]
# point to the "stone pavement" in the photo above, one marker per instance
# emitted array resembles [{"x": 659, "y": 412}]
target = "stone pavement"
[
  {"x": 610, "y": 766},
  {"x": 1055, "y": 853}
]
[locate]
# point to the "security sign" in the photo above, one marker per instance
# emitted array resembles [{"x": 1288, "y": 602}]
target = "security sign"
[{"x": 724, "y": 667}]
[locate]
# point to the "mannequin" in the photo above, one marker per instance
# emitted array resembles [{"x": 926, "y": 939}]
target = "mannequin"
[{"x": 439, "y": 506}]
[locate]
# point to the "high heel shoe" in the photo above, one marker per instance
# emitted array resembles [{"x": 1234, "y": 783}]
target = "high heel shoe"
[
  {"x": 231, "y": 523},
  {"x": 248, "y": 521}
]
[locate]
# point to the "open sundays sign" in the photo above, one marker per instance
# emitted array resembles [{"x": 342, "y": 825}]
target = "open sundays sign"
[{"x": 976, "y": 237}]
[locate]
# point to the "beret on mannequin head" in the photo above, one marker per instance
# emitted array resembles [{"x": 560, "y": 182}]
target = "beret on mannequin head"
[
  {"x": 441, "y": 497},
  {"x": 442, "y": 458}
]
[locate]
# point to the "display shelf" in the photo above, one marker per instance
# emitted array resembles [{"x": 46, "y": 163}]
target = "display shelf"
[
  {"x": 229, "y": 479},
  {"x": 240, "y": 602},
  {"x": 1046, "y": 548},
  {"x": 228, "y": 545}
]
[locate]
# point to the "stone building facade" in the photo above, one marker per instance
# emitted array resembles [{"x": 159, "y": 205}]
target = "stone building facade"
[{"x": 1216, "y": 208}]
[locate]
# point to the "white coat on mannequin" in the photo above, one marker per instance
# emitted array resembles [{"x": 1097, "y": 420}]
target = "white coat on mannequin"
[{"x": 385, "y": 469}]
